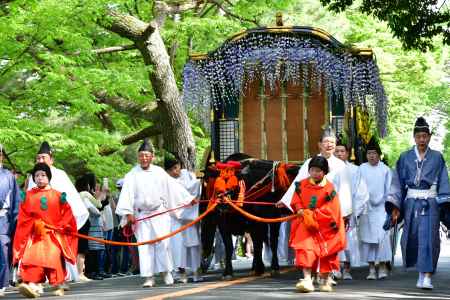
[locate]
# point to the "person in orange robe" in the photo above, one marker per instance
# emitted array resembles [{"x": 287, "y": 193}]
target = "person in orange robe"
[
  {"x": 40, "y": 244},
  {"x": 318, "y": 234}
]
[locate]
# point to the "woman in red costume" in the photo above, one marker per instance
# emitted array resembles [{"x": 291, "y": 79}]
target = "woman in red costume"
[
  {"x": 39, "y": 243},
  {"x": 318, "y": 234}
]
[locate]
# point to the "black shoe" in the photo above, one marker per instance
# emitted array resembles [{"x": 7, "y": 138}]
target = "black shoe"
[
  {"x": 105, "y": 275},
  {"x": 95, "y": 276}
]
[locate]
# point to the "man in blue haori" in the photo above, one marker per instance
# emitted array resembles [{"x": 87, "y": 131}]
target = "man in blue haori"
[
  {"x": 9, "y": 208},
  {"x": 420, "y": 186}
]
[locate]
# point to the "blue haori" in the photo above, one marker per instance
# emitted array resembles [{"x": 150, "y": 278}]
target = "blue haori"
[
  {"x": 4, "y": 253},
  {"x": 420, "y": 241},
  {"x": 9, "y": 208},
  {"x": 418, "y": 189}
]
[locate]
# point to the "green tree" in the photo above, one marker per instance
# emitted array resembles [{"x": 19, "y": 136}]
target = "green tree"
[
  {"x": 70, "y": 76},
  {"x": 92, "y": 77},
  {"x": 415, "y": 23}
]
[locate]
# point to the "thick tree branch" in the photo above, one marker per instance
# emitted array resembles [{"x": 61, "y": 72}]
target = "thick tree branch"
[
  {"x": 160, "y": 10},
  {"x": 177, "y": 133},
  {"x": 147, "y": 111},
  {"x": 132, "y": 138},
  {"x": 126, "y": 26},
  {"x": 109, "y": 49},
  {"x": 233, "y": 15},
  {"x": 106, "y": 121},
  {"x": 141, "y": 134}
]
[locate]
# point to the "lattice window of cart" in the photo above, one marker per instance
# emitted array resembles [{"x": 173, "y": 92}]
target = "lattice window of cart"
[
  {"x": 338, "y": 124},
  {"x": 228, "y": 137}
]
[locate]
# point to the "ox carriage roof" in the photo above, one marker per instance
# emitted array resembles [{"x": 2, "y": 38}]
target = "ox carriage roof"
[{"x": 291, "y": 55}]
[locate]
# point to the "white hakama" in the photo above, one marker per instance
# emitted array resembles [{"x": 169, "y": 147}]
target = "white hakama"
[
  {"x": 185, "y": 246},
  {"x": 375, "y": 242},
  {"x": 360, "y": 196},
  {"x": 146, "y": 192}
]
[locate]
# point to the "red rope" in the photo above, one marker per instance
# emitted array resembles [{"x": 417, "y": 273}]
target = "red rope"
[
  {"x": 258, "y": 193},
  {"x": 262, "y": 203},
  {"x": 109, "y": 242},
  {"x": 128, "y": 231},
  {"x": 259, "y": 219}
]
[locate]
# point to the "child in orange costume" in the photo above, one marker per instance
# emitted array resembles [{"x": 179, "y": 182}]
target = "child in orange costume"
[
  {"x": 38, "y": 243},
  {"x": 318, "y": 234}
]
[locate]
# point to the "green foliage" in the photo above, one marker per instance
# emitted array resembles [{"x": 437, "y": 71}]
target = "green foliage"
[
  {"x": 415, "y": 82},
  {"x": 415, "y": 23},
  {"x": 49, "y": 75}
]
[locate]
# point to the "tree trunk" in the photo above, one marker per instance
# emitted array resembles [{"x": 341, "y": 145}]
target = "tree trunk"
[{"x": 174, "y": 123}]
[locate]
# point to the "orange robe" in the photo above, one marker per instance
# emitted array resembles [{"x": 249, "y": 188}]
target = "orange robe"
[
  {"x": 319, "y": 234},
  {"x": 42, "y": 251}
]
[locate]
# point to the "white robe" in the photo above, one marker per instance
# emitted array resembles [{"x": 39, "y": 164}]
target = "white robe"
[
  {"x": 338, "y": 175},
  {"x": 360, "y": 197},
  {"x": 185, "y": 246},
  {"x": 375, "y": 243},
  {"x": 146, "y": 192}
]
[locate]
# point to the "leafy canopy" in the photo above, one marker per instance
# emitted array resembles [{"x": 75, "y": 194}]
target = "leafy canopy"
[
  {"x": 414, "y": 22},
  {"x": 50, "y": 74}
]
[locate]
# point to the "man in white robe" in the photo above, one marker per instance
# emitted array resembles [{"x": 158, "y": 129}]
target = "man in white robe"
[
  {"x": 61, "y": 182},
  {"x": 360, "y": 195},
  {"x": 375, "y": 241},
  {"x": 148, "y": 189},
  {"x": 185, "y": 246}
]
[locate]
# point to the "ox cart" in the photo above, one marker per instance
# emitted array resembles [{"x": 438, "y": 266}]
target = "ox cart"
[{"x": 269, "y": 92}]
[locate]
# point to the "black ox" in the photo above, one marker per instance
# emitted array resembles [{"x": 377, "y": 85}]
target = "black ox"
[{"x": 257, "y": 174}]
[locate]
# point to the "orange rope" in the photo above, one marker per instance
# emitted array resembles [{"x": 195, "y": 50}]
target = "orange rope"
[
  {"x": 260, "y": 192},
  {"x": 256, "y": 218},
  {"x": 184, "y": 227},
  {"x": 262, "y": 203}
]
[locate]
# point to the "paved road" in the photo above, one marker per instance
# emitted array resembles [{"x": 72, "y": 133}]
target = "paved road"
[{"x": 401, "y": 285}]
